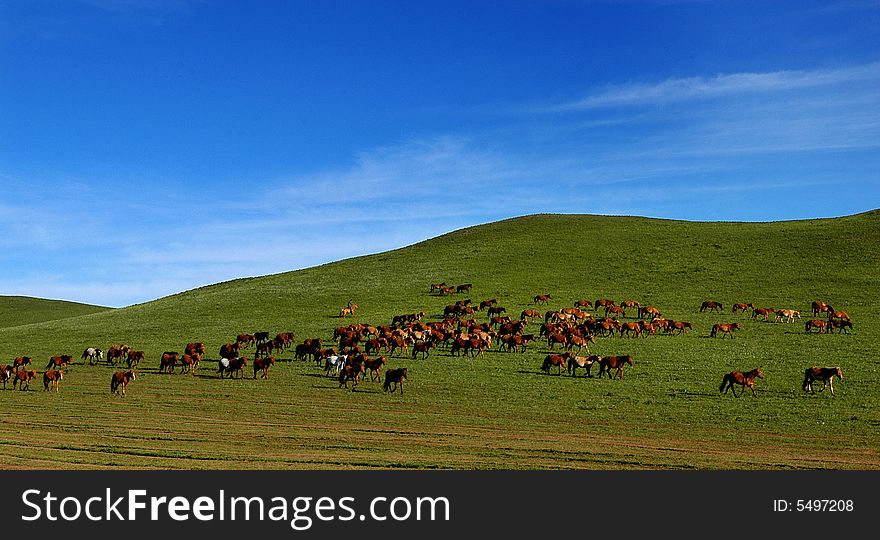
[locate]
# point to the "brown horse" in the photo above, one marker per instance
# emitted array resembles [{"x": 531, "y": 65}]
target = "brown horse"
[
  {"x": 763, "y": 312},
  {"x": 6, "y": 373},
  {"x": 743, "y": 308},
  {"x": 134, "y": 358},
  {"x": 353, "y": 373},
  {"x": 59, "y": 361},
  {"x": 607, "y": 363},
  {"x": 820, "y": 307},
  {"x": 542, "y": 298},
  {"x": 841, "y": 325},
  {"x": 168, "y": 361},
  {"x": 119, "y": 381},
  {"x": 189, "y": 363},
  {"x": 818, "y": 324},
  {"x": 375, "y": 367},
  {"x": 263, "y": 364},
  {"x": 825, "y": 374},
  {"x": 193, "y": 349},
  {"x": 21, "y": 361},
  {"x": 233, "y": 366},
  {"x": 743, "y": 379},
  {"x": 52, "y": 377},
  {"x": 583, "y": 304},
  {"x": 615, "y": 310},
  {"x": 711, "y": 305},
  {"x": 724, "y": 329},
  {"x": 557, "y": 360},
  {"x": 395, "y": 377},
  {"x": 23, "y": 378},
  {"x": 649, "y": 311}
]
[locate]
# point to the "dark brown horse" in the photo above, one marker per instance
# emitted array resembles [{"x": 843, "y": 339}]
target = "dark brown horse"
[
  {"x": 743, "y": 379},
  {"x": 711, "y": 305},
  {"x": 824, "y": 374},
  {"x": 233, "y": 366},
  {"x": 134, "y": 358},
  {"x": 607, "y": 363},
  {"x": 6, "y": 373},
  {"x": 395, "y": 377},
  {"x": 119, "y": 381},
  {"x": 351, "y": 372}
]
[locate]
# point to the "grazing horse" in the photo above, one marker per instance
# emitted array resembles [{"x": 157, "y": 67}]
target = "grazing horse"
[
  {"x": 120, "y": 380},
  {"x": 711, "y": 305},
  {"x": 724, "y": 329},
  {"x": 742, "y": 379},
  {"x": 557, "y": 360},
  {"x": 542, "y": 298},
  {"x": 742, "y": 307},
  {"x": 818, "y": 324},
  {"x": 841, "y": 325},
  {"x": 375, "y": 367},
  {"x": 263, "y": 364},
  {"x": 93, "y": 354},
  {"x": 824, "y": 374},
  {"x": 585, "y": 362},
  {"x": 59, "y": 361},
  {"x": 464, "y": 288},
  {"x": 395, "y": 377},
  {"x": 21, "y": 361},
  {"x": 607, "y": 363},
  {"x": 842, "y": 315},
  {"x": 261, "y": 336},
  {"x": 820, "y": 307},
  {"x": 168, "y": 361},
  {"x": 52, "y": 377},
  {"x": 23, "y": 378},
  {"x": 583, "y": 304}
]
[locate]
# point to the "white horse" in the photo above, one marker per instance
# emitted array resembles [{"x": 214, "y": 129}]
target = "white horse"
[
  {"x": 335, "y": 363},
  {"x": 93, "y": 354}
]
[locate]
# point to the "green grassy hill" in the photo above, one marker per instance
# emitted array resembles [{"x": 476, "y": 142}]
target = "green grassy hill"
[
  {"x": 21, "y": 310},
  {"x": 495, "y": 411}
]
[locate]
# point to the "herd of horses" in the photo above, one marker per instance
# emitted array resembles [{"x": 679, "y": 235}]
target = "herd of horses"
[{"x": 358, "y": 349}]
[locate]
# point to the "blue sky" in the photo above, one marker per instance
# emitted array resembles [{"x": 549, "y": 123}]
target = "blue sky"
[{"x": 149, "y": 147}]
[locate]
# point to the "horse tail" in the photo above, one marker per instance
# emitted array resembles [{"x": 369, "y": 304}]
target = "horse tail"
[{"x": 724, "y": 382}]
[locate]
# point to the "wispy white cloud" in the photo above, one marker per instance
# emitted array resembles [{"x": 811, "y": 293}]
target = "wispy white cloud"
[{"x": 700, "y": 88}]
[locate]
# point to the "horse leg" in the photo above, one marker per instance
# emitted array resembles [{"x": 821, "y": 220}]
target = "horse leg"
[{"x": 831, "y": 385}]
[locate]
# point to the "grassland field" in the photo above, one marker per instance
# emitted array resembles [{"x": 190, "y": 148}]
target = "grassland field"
[{"x": 498, "y": 410}]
